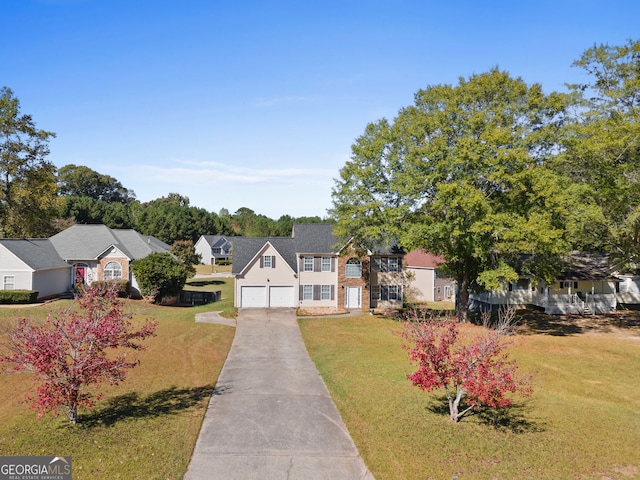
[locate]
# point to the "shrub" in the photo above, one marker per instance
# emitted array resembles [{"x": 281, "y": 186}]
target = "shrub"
[
  {"x": 122, "y": 287},
  {"x": 18, "y": 296}
]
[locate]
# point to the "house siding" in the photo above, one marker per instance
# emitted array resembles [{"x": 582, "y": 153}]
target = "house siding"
[
  {"x": 317, "y": 278},
  {"x": 50, "y": 283},
  {"x": 280, "y": 276}
]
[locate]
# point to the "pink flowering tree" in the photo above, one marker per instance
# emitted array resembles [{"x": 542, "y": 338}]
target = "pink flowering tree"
[
  {"x": 82, "y": 346},
  {"x": 473, "y": 368}
]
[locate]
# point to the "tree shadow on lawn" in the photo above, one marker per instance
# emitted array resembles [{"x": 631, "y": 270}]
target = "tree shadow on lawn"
[
  {"x": 131, "y": 405},
  {"x": 535, "y": 322},
  {"x": 512, "y": 419}
]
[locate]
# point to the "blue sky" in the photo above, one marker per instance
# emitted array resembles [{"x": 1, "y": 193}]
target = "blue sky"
[{"x": 257, "y": 103}]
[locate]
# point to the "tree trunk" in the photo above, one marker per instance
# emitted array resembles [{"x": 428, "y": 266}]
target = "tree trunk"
[
  {"x": 73, "y": 414},
  {"x": 462, "y": 299},
  {"x": 454, "y": 405}
]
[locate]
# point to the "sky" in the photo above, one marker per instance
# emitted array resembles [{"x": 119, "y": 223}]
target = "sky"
[{"x": 256, "y": 104}]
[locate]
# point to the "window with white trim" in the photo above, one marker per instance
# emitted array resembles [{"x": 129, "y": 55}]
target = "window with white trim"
[
  {"x": 112, "y": 271},
  {"x": 394, "y": 265},
  {"x": 326, "y": 264},
  {"x": 375, "y": 292},
  {"x": 9, "y": 282},
  {"x": 325, "y": 293},
  {"x": 307, "y": 264},
  {"x": 268, "y": 261},
  {"x": 394, "y": 292},
  {"x": 307, "y": 292},
  {"x": 353, "y": 268}
]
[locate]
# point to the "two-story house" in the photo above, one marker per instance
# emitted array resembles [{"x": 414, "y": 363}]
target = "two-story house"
[{"x": 314, "y": 270}]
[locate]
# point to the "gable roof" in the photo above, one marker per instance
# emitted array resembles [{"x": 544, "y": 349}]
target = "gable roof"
[
  {"x": 246, "y": 249},
  {"x": 306, "y": 238},
  {"x": 216, "y": 240},
  {"x": 88, "y": 242},
  {"x": 37, "y": 253}
]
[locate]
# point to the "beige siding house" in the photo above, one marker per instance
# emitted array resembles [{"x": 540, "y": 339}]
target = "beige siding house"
[
  {"x": 314, "y": 270},
  {"x": 80, "y": 254}
]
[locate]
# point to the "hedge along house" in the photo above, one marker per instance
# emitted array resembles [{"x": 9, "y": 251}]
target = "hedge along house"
[
  {"x": 98, "y": 253},
  {"x": 313, "y": 270},
  {"x": 33, "y": 264}
]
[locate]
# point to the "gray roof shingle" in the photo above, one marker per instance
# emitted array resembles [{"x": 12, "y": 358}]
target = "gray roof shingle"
[
  {"x": 37, "y": 253},
  {"x": 87, "y": 242}
]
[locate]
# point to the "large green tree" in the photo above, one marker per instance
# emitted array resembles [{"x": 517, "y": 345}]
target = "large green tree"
[
  {"x": 603, "y": 147},
  {"x": 172, "y": 218},
  {"x": 462, "y": 174},
  {"x": 82, "y": 181},
  {"x": 28, "y": 189}
]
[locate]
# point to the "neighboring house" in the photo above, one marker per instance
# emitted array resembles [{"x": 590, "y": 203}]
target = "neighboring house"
[
  {"x": 80, "y": 254},
  {"x": 97, "y": 252},
  {"x": 213, "y": 248},
  {"x": 312, "y": 269},
  {"x": 33, "y": 264},
  {"x": 425, "y": 282},
  {"x": 587, "y": 285}
]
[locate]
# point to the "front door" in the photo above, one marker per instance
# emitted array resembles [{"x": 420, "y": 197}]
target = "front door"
[{"x": 353, "y": 299}]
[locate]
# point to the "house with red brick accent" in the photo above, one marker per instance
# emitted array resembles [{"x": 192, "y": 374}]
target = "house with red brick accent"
[
  {"x": 97, "y": 252},
  {"x": 80, "y": 254},
  {"x": 314, "y": 270}
]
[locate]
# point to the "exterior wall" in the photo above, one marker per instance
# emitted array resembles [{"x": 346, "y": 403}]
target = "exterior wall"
[
  {"x": 361, "y": 282},
  {"x": 281, "y": 275},
  {"x": 317, "y": 278},
  {"x": 10, "y": 265},
  {"x": 23, "y": 279},
  {"x": 50, "y": 283},
  {"x": 113, "y": 255},
  {"x": 204, "y": 249},
  {"x": 421, "y": 287},
  {"x": 629, "y": 292}
]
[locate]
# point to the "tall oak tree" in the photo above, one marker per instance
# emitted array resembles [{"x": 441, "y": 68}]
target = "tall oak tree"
[{"x": 462, "y": 173}]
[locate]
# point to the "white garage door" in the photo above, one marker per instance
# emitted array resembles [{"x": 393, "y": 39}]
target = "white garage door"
[
  {"x": 281, "y": 297},
  {"x": 253, "y": 297}
]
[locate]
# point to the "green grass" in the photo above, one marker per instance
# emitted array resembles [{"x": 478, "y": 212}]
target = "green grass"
[
  {"x": 224, "y": 284},
  {"x": 147, "y": 426},
  {"x": 582, "y": 422}
]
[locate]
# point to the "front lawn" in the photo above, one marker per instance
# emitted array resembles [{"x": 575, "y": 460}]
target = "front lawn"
[
  {"x": 582, "y": 421},
  {"x": 144, "y": 428}
]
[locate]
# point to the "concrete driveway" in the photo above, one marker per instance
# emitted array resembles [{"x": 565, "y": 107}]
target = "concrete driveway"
[{"x": 271, "y": 416}]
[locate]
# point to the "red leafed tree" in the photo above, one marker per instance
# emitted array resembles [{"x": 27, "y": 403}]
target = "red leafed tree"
[
  {"x": 473, "y": 369},
  {"x": 82, "y": 346}
]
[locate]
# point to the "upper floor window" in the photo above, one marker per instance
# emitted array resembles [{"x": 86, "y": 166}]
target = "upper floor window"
[
  {"x": 326, "y": 264},
  {"x": 216, "y": 250},
  {"x": 268, "y": 261},
  {"x": 354, "y": 268},
  {"x": 307, "y": 264},
  {"x": 386, "y": 264},
  {"x": 112, "y": 271}
]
